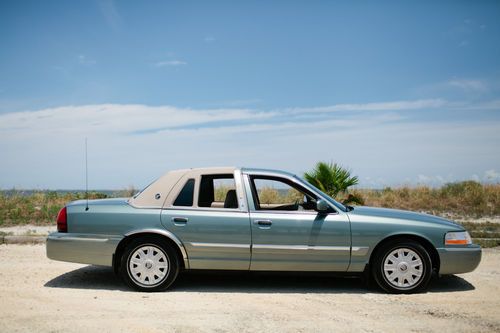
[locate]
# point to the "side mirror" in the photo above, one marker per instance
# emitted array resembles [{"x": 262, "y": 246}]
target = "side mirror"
[{"x": 322, "y": 206}]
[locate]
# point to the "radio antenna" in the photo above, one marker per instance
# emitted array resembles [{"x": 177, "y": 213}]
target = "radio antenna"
[{"x": 86, "y": 177}]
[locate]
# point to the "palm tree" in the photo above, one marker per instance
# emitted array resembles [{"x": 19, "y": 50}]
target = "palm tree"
[{"x": 335, "y": 181}]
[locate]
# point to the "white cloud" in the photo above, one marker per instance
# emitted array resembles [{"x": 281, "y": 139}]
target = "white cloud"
[
  {"x": 460, "y": 89},
  {"x": 170, "y": 63},
  {"x": 132, "y": 144},
  {"x": 209, "y": 39},
  {"x": 110, "y": 14},
  {"x": 491, "y": 176},
  {"x": 115, "y": 119},
  {"x": 488, "y": 105},
  {"x": 84, "y": 60},
  {"x": 437, "y": 180},
  {"x": 239, "y": 102},
  {"x": 423, "y": 178},
  {"x": 468, "y": 85},
  {"x": 384, "y": 106}
]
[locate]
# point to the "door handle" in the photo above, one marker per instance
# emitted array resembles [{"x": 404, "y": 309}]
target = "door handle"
[
  {"x": 181, "y": 220},
  {"x": 264, "y": 223}
]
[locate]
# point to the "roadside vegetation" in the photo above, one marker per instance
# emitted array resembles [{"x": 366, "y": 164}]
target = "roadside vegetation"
[
  {"x": 19, "y": 207},
  {"x": 335, "y": 181},
  {"x": 467, "y": 199},
  {"x": 475, "y": 205}
]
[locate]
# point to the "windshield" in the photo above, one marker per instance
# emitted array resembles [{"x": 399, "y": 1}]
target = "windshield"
[{"x": 324, "y": 196}]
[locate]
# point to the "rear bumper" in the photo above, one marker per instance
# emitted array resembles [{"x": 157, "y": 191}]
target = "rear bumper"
[
  {"x": 459, "y": 260},
  {"x": 84, "y": 249}
]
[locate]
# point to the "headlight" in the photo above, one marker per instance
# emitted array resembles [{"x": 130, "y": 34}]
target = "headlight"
[{"x": 457, "y": 238}]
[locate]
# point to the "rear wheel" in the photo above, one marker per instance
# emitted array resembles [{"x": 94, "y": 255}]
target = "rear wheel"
[
  {"x": 149, "y": 264},
  {"x": 402, "y": 266}
]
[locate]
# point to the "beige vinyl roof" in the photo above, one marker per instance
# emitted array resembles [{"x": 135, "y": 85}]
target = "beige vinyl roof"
[{"x": 160, "y": 192}]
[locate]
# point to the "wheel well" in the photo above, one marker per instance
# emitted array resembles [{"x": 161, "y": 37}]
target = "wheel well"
[
  {"x": 124, "y": 242},
  {"x": 422, "y": 241}
]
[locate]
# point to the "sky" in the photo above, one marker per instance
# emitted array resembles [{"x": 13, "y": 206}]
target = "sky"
[{"x": 399, "y": 92}]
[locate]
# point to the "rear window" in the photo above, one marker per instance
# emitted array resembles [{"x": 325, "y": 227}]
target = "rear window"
[{"x": 185, "y": 197}]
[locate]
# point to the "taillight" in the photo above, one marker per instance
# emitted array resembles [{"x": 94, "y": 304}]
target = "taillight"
[{"x": 62, "y": 221}]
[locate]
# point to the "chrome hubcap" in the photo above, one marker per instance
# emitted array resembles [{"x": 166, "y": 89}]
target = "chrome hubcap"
[
  {"x": 148, "y": 265},
  {"x": 403, "y": 268}
]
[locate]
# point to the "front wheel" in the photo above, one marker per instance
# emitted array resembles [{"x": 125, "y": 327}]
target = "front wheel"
[
  {"x": 149, "y": 264},
  {"x": 402, "y": 267}
]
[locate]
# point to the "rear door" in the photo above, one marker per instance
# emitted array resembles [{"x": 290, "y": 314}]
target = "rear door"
[{"x": 210, "y": 217}]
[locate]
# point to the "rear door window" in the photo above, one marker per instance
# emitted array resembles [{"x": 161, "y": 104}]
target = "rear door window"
[{"x": 218, "y": 191}]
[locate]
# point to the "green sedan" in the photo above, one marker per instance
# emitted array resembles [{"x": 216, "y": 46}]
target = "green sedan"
[{"x": 257, "y": 220}]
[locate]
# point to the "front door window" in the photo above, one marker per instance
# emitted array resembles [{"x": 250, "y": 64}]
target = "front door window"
[{"x": 278, "y": 194}]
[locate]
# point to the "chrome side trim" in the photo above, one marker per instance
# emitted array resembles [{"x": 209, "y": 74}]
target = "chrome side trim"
[
  {"x": 292, "y": 212},
  {"x": 167, "y": 234},
  {"x": 300, "y": 247},
  {"x": 330, "y": 248},
  {"x": 223, "y": 245},
  {"x": 78, "y": 239},
  {"x": 206, "y": 209},
  {"x": 359, "y": 250},
  {"x": 459, "y": 249}
]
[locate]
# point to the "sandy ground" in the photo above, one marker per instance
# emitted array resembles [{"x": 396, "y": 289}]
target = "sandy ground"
[{"x": 40, "y": 295}]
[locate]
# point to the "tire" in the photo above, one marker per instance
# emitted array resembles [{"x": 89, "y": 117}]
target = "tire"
[
  {"x": 149, "y": 264},
  {"x": 402, "y": 267}
]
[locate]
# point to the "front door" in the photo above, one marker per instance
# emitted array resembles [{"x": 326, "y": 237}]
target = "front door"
[{"x": 287, "y": 232}]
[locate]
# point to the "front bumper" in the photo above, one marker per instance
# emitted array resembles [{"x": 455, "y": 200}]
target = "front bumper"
[
  {"x": 79, "y": 248},
  {"x": 457, "y": 260}
]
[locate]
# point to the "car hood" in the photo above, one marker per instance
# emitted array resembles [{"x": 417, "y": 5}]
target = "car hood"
[{"x": 397, "y": 214}]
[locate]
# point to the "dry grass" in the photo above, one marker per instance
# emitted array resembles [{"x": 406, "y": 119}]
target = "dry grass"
[
  {"x": 38, "y": 207},
  {"x": 467, "y": 199}
]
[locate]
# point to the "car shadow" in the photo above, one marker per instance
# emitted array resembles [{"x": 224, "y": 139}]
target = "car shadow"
[
  {"x": 103, "y": 278},
  {"x": 88, "y": 277},
  {"x": 449, "y": 283}
]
